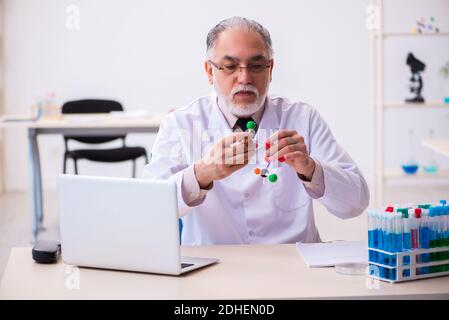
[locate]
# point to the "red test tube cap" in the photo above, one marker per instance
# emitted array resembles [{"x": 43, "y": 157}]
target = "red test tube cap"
[{"x": 418, "y": 212}]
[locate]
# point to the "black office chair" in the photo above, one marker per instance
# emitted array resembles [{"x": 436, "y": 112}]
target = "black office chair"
[{"x": 123, "y": 153}]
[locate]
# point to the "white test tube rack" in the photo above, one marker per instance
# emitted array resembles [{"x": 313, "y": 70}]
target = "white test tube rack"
[{"x": 407, "y": 272}]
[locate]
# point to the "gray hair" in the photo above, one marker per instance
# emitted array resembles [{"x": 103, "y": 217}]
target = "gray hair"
[{"x": 237, "y": 22}]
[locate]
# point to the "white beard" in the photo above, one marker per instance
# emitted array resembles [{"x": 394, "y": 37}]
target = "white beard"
[{"x": 241, "y": 110}]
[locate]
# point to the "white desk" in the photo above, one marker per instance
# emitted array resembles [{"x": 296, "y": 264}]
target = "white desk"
[
  {"x": 245, "y": 272},
  {"x": 438, "y": 145},
  {"x": 77, "y": 125}
]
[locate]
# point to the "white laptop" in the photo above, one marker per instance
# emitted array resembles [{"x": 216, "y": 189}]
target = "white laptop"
[{"x": 122, "y": 224}]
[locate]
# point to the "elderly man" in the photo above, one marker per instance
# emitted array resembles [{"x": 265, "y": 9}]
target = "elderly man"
[{"x": 207, "y": 150}]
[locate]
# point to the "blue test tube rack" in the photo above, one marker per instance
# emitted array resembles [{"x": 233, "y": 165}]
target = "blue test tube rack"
[
  {"x": 405, "y": 247},
  {"x": 404, "y": 266}
]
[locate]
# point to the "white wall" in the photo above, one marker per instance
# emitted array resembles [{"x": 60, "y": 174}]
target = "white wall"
[{"x": 149, "y": 54}]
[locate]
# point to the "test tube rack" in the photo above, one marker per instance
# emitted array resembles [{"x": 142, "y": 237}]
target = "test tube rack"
[{"x": 408, "y": 265}]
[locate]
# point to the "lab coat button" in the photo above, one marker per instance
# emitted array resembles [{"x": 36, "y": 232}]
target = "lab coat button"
[
  {"x": 247, "y": 195},
  {"x": 251, "y": 233}
]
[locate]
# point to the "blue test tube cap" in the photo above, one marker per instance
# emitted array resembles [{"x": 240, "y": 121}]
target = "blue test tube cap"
[{"x": 445, "y": 210}]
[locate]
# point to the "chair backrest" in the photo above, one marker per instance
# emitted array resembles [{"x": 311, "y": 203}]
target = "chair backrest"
[{"x": 92, "y": 106}]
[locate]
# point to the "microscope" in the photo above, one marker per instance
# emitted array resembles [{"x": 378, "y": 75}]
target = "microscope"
[{"x": 416, "y": 82}]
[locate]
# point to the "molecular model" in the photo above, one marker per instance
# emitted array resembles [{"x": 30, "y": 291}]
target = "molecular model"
[
  {"x": 264, "y": 173},
  {"x": 423, "y": 27}
]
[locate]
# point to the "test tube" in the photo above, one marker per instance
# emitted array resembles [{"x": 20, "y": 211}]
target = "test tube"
[
  {"x": 432, "y": 231},
  {"x": 438, "y": 236},
  {"x": 376, "y": 230},
  {"x": 381, "y": 231},
  {"x": 407, "y": 233},
  {"x": 371, "y": 229},
  {"x": 445, "y": 213},
  {"x": 390, "y": 228},
  {"x": 401, "y": 214},
  {"x": 417, "y": 226},
  {"x": 398, "y": 232},
  {"x": 425, "y": 237},
  {"x": 444, "y": 242},
  {"x": 387, "y": 232},
  {"x": 413, "y": 230},
  {"x": 443, "y": 239}
]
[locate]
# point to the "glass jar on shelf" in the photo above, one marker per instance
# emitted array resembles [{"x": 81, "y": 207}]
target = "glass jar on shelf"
[
  {"x": 411, "y": 165},
  {"x": 431, "y": 165},
  {"x": 444, "y": 71}
]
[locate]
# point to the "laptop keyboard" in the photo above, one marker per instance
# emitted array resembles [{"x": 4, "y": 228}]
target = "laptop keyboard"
[{"x": 186, "y": 265}]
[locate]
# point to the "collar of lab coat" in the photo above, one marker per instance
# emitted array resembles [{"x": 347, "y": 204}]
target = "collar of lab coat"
[{"x": 270, "y": 119}]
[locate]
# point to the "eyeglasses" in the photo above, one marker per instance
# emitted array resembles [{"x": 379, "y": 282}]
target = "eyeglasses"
[{"x": 230, "y": 68}]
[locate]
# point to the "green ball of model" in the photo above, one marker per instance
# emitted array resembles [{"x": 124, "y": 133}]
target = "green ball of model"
[
  {"x": 251, "y": 125},
  {"x": 272, "y": 177}
]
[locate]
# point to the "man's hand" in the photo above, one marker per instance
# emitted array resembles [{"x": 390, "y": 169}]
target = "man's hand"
[
  {"x": 289, "y": 146},
  {"x": 226, "y": 156}
]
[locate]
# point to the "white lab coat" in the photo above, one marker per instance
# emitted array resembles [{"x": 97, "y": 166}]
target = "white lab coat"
[{"x": 241, "y": 209}]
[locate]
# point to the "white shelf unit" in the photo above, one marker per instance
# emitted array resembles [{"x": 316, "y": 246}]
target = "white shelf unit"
[
  {"x": 397, "y": 173},
  {"x": 411, "y": 34},
  {"x": 379, "y": 106},
  {"x": 427, "y": 105}
]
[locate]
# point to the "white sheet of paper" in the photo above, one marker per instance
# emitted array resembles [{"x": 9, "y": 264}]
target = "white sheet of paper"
[{"x": 329, "y": 254}]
